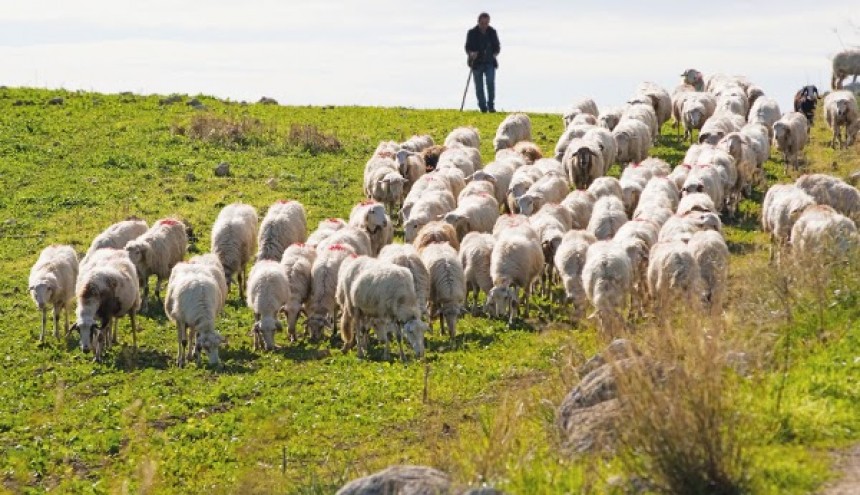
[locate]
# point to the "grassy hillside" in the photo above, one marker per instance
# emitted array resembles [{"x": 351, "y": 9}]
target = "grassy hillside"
[{"x": 306, "y": 418}]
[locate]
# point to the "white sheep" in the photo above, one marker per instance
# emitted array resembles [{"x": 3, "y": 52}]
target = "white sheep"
[
  {"x": 790, "y": 135},
  {"x": 117, "y": 236},
  {"x": 234, "y": 238},
  {"x": 659, "y": 99},
  {"x": 475, "y": 252},
  {"x": 840, "y": 110},
  {"x": 477, "y": 188},
  {"x": 550, "y": 188},
  {"x": 383, "y": 293},
  {"x": 606, "y": 186},
  {"x": 326, "y": 228},
  {"x": 455, "y": 178},
  {"x": 285, "y": 223},
  {"x": 607, "y": 217},
  {"x": 514, "y": 128},
  {"x": 437, "y": 231},
  {"x": 607, "y": 277},
  {"x": 765, "y": 111},
  {"x": 583, "y": 162},
  {"x": 429, "y": 183},
  {"x": 156, "y": 252},
  {"x": 193, "y": 302},
  {"x": 820, "y": 234},
  {"x": 741, "y": 148},
  {"x": 569, "y": 261},
  {"x": 718, "y": 125},
  {"x": 711, "y": 253},
  {"x": 407, "y": 256},
  {"x": 673, "y": 276},
  {"x": 52, "y": 284},
  {"x": 321, "y": 307},
  {"x": 356, "y": 238},
  {"x": 477, "y": 213},
  {"x": 681, "y": 227},
  {"x": 383, "y": 181},
  {"x": 425, "y": 210},
  {"x": 467, "y": 136},
  {"x": 206, "y": 263},
  {"x": 512, "y": 156},
  {"x": 418, "y": 143},
  {"x": 834, "y": 192},
  {"x": 570, "y": 133},
  {"x": 659, "y": 191},
  {"x": 582, "y": 105},
  {"x": 516, "y": 262},
  {"x": 459, "y": 158},
  {"x": 696, "y": 202},
  {"x": 759, "y": 136},
  {"x": 521, "y": 181},
  {"x": 107, "y": 289},
  {"x": 447, "y": 285},
  {"x": 268, "y": 293},
  {"x": 580, "y": 204},
  {"x": 530, "y": 151},
  {"x": 412, "y": 166},
  {"x": 298, "y": 261},
  {"x": 514, "y": 222},
  {"x": 498, "y": 173},
  {"x": 551, "y": 222},
  {"x": 845, "y": 63},
  {"x": 633, "y": 139},
  {"x": 679, "y": 174},
  {"x": 370, "y": 217},
  {"x": 645, "y": 114}
]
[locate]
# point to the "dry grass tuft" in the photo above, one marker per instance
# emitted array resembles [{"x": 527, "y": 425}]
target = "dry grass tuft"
[
  {"x": 223, "y": 131},
  {"x": 309, "y": 138}
]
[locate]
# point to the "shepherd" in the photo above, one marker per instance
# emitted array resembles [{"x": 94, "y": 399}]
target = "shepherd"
[{"x": 482, "y": 47}]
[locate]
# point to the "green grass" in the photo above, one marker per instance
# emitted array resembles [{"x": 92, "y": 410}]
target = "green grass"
[{"x": 69, "y": 425}]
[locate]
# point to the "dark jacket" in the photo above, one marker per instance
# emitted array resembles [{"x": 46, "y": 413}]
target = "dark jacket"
[{"x": 486, "y": 44}]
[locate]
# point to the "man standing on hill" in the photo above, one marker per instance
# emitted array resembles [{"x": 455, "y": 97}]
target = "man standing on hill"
[{"x": 482, "y": 46}]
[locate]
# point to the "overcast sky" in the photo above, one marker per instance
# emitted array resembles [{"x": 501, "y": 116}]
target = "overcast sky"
[{"x": 398, "y": 53}]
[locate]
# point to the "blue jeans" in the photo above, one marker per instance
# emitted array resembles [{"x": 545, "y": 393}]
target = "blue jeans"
[{"x": 478, "y": 73}]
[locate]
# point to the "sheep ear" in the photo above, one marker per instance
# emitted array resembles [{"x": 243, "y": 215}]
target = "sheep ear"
[{"x": 469, "y": 178}]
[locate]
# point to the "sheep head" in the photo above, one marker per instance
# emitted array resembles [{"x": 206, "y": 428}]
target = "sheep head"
[
  {"x": 527, "y": 204},
  {"x": 414, "y": 331},
  {"x": 375, "y": 218},
  {"x": 41, "y": 292},
  {"x": 501, "y": 298},
  {"x": 139, "y": 253},
  {"x": 315, "y": 325},
  {"x": 209, "y": 342},
  {"x": 89, "y": 332},
  {"x": 266, "y": 328}
]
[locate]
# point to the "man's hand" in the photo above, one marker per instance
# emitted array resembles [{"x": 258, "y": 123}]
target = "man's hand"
[{"x": 473, "y": 55}]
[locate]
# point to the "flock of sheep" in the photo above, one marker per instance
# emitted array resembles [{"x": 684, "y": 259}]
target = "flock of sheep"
[{"x": 523, "y": 222}]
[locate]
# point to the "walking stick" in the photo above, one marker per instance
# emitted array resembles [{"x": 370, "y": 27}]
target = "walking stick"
[{"x": 466, "y": 90}]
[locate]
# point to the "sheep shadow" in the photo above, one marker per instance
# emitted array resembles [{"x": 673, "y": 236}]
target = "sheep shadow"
[
  {"x": 303, "y": 351},
  {"x": 127, "y": 358}
]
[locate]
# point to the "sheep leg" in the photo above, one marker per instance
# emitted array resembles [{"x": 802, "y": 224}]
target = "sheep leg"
[
  {"x": 441, "y": 324},
  {"x": 144, "y": 306},
  {"x": 182, "y": 342},
  {"x": 240, "y": 281},
  {"x": 400, "y": 343},
  {"x": 158, "y": 289},
  {"x": 528, "y": 294},
  {"x": 44, "y": 324},
  {"x": 66, "y": 314},
  {"x": 133, "y": 317}
]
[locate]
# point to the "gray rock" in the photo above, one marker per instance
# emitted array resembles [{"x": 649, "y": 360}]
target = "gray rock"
[
  {"x": 170, "y": 100},
  {"x": 268, "y": 101},
  {"x": 400, "y": 480},
  {"x": 485, "y": 490},
  {"x": 57, "y": 100},
  {"x": 196, "y": 104},
  {"x": 222, "y": 170}
]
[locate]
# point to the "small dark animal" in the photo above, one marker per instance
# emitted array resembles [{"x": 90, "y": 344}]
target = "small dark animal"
[{"x": 805, "y": 101}]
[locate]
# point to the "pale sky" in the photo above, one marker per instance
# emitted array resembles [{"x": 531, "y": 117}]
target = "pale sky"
[{"x": 389, "y": 53}]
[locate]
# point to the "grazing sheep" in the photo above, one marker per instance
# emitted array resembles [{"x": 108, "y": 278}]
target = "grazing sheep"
[
  {"x": 845, "y": 63},
  {"x": 551, "y": 222},
  {"x": 383, "y": 293},
  {"x": 298, "y": 261},
  {"x": 370, "y": 217},
  {"x": 607, "y": 277},
  {"x": 52, "y": 283},
  {"x": 790, "y": 135},
  {"x": 644, "y": 113},
  {"x": 569, "y": 261},
  {"x": 412, "y": 166},
  {"x": 515, "y": 128},
  {"x": 117, "y": 236},
  {"x": 760, "y": 139},
  {"x": 696, "y": 109},
  {"x": 711, "y": 253},
  {"x": 658, "y": 98},
  {"x": 447, "y": 285},
  {"x": 192, "y": 302},
  {"x": 523, "y": 179},
  {"x": 659, "y": 191},
  {"x": 516, "y": 262},
  {"x": 716, "y": 127},
  {"x": 425, "y": 210},
  {"x": 407, "y": 256},
  {"x": 324, "y": 275},
  {"x": 429, "y": 183},
  {"x": 234, "y": 237},
  {"x": 696, "y": 202},
  {"x": 325, "y": 229},
  {"x": 476, "y": 213},
  {"x": 356, "y": 238},
  {"x": 765, "y": 111},
  {"x": 499, "y": 174},
  {"x": 633, "y": 139},
  {"x": 268, "y": 293},
  {"x": 607, "y": 217},
  {"x": 740, "y": 147},
  {"x": 820, "y": 234},
  {"x": 383, "y": 182},
  {"x": 156, "y": 252},
  {"x": 457, "y": 157},
  {"x": 550, "y": 188},
  {"x": 834, "y": 192},
  {"x": 475, "y": 252},
  {"x": 706, "y": 179},
  {"x": 582, "y": 105},
  {"x": 840, "y": 110},
  {"x": 679, "y": 174},
  {"x": 673, "y": 276},
  {"x": 107, "y": 289},
  {"x": 477, "y": 188},
  {"x": 572, "y": 132},
  {"x": 207, "y": 263},
  {"x": 285, "y": 223},
  {"x": 417, "y": 143},
  {"x": 681, "y": 227},
  {"x": 610, "y": 117},
  {"x": 467, "y": 136},
  {"x": 437, "y": 231},
  {"x": 580, "y": 205},
  {"x": 513, "y": 157},
  {"x": 583, "y": 162},
  {"x": 584, "y": 119}
]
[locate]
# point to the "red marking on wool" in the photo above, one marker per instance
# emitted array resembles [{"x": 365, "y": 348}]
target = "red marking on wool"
[
  {"x": 385, "y": 154},
  {"x": 333, "y": 219},
  {"x": 367, "y": 202},
  {"x": 168, "y": 222},
  {"x": 688, "y": 167},
  {"x": 285, "y": 201},
  {"x": 299, "y": 244},
  {"x": 337, "y": 247}
]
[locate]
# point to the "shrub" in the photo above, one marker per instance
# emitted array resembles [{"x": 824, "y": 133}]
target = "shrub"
[
  {"x": 223, "y": 131},
  {"x": 310, "y": 139}
]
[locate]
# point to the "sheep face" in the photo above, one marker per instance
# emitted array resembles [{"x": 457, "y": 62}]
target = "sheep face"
[
  {"x": 266, "y": 328},
  {"x": 608, "y": 121},
  {"x": 209, "y": 342},
  {"x": 780, "y": 132},
  {"x": 137, "y": 252},
  {"x": 41, "y": 293},
  {"x": 501, "y": 301},
  {"x": 315, "y": 325},
  {"x": 414, "y": 331},
  {"x": 501, "y": 143},
  {"x": 391, "y": 187},
  {"x": 527, "y": 204},
  {"x": 375, "y": 218},
  {"x": 89, "y": 332},
  {"x": 410, "y": 230}
]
